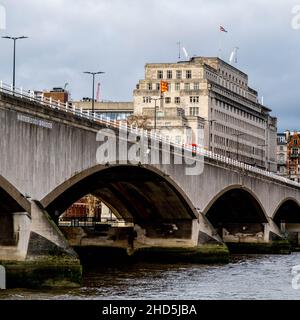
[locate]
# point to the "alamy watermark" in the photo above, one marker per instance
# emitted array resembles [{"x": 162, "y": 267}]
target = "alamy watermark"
[
  {"x": 132, "y": 147},
  {"x": 2, "y": 17}
]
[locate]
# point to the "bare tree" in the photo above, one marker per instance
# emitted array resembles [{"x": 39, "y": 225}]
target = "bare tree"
[{"x": 139, "y": 121}]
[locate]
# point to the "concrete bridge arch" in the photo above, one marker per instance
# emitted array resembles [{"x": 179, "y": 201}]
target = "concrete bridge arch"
[
  {"x": 11, "y": 200},
  {"x": 135, "y": 192}
]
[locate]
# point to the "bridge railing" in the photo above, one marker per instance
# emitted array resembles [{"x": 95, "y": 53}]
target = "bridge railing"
[{"x": 68, "y": 107}]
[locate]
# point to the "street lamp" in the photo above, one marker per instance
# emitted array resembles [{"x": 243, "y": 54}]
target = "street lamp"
[
  {"x": 237, "y": 143},
  {"x": 209, "y": 125},
  {"x": 93, "y": 74},
  {"x": 262, "y": 153},
  {"x": 155, "y": 107},
  {"x": 14, "y": 56}
]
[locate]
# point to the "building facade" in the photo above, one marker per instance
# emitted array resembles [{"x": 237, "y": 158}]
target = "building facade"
[
  {"x": 208, "y": 93},
  {"x": 282, "y": 154},
  {"x": 293, "y": 155},
  {"x": 109, "y": 110}
]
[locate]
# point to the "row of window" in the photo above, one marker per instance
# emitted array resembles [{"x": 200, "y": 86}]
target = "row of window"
[
  {"x": 174, "y": 86},
  {"x": 114, "y": 115},
  {"x": 233, "y": 132},
  {"x": 170, "y": 74},
  {"x": 178, "y": 74},
  {"x": 227, "y": 118},
  {"x": 233, "y": 154},
  {"x": 240, "y": 112},
  {"x": 232, "y": 78},
  {"x": 193, "y": 99}
]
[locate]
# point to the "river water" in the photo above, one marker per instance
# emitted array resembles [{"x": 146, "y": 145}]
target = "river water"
[{"x": 245, "y": 277}]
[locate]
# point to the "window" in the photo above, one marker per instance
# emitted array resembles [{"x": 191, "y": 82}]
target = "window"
[
  {"x": 167, "y": 100},
  {"x": 188, "y": 74},
  {"x": 178, "y": 139},
  {"x": 281, "y": 148},
  {"x": 186, "y": 86},
  {"x": 169, "y": 74},
  {"x": 196, "y": 86},
  {"x": 294, "y": 151},
  {"x": 194, "y": 99},
  {"x": 149, "y": 86},
  {"x": 194, "y": 111},
  {"x": 178, "y": 74},
  {"x": 158, "y": 86},
  {"x": 177, "y": 86},
  {"x": 295, "y": 142},
  {"x": 146, "y": 99},
  {"x": 177, "y": 100},
  {"x": 159, "y": 74}
]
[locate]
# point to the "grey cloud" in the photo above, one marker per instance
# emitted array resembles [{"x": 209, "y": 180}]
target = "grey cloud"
[{"x": 119, "y": 37}]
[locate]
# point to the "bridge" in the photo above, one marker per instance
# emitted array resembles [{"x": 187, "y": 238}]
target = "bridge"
[{"x": 188, "y": 205}]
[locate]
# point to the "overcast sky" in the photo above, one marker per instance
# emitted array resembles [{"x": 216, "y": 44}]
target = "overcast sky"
[{"x": 120, "y": 36}]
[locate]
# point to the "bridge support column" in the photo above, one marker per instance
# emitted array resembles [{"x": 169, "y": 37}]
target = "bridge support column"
[
  {"x": 47, "y": 258},
  {"x": 176, "y": 241},
  {"x": 201, "y": 244},
  {"x": 292, "y": 233},
  {"x": 269, "y": 240}
]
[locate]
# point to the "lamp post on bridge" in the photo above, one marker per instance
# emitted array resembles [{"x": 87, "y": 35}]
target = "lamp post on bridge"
[
  {"x": 262, "y": 153},
  {"x": 14, "y": 56},
  {"x": 209, "y": 131},
  {"x": 93, "y": 95},
  {"x": 155, "y": 107}
]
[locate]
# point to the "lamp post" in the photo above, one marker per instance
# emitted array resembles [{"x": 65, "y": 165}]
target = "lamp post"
[
  {"x": 262, "y": 153},
  {"x": 14, "y": 56},
  {"x": 237, "y": 143},
  {"x": 93, "y": 98},
  {"x": 155, "y": 107},
  {"x": 209, "y": 125}
]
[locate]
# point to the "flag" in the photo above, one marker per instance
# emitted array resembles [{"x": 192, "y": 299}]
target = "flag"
[
  {"x": 164, "y": 86},
  {"x": 222, "y": 29}
]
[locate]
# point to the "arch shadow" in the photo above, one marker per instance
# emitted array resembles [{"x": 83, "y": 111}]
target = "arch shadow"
[
  {"x": 288, "y": 211},
  {"x": 11, "y": 200},
  {"x": 137, "y": 192},
  {"x": 237, "y": 187}
]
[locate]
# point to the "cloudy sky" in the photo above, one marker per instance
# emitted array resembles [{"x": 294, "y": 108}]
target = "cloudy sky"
[{"x": 120, "y": 36}]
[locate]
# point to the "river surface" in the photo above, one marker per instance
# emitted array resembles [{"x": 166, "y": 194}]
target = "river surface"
[{"x": 245, "y": 277}]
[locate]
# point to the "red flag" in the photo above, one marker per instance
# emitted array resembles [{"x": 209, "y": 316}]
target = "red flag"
[{"x": 222, "y": 29}]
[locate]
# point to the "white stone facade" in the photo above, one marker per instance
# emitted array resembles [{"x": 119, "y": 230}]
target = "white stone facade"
[{"x": 217, "y": 94}]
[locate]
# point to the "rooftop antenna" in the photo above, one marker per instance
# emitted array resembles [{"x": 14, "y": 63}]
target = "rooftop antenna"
[
  {"x": 185, "y": 53},
  {"x": 179, "y": 47}
]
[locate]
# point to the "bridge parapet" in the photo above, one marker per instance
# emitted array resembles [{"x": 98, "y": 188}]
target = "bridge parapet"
[{"x": 69, "y": 108}]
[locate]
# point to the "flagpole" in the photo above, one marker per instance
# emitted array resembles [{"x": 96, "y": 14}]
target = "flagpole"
[
  {"x": 221, "y": 30},
  {"x": 220, "y": 45}
]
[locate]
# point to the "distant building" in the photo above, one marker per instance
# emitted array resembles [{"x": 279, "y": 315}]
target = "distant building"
[
  {"x": 108, "y": 110},
  {"x": 207, "y": 91},
  {"x": 282, "y": 154},
  {"x": 293, "y": 155},
  {"x": 58, "y": 94}
]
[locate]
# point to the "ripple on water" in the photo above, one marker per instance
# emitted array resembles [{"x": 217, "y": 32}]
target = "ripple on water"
[{"x": 245, "y": 277}]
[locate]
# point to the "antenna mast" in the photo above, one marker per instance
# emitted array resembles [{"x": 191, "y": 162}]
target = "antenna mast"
[{"x": 178, "y": 43}]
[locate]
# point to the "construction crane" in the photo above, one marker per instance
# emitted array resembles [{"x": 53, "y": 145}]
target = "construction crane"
[{"x": 98, "y": 92}]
